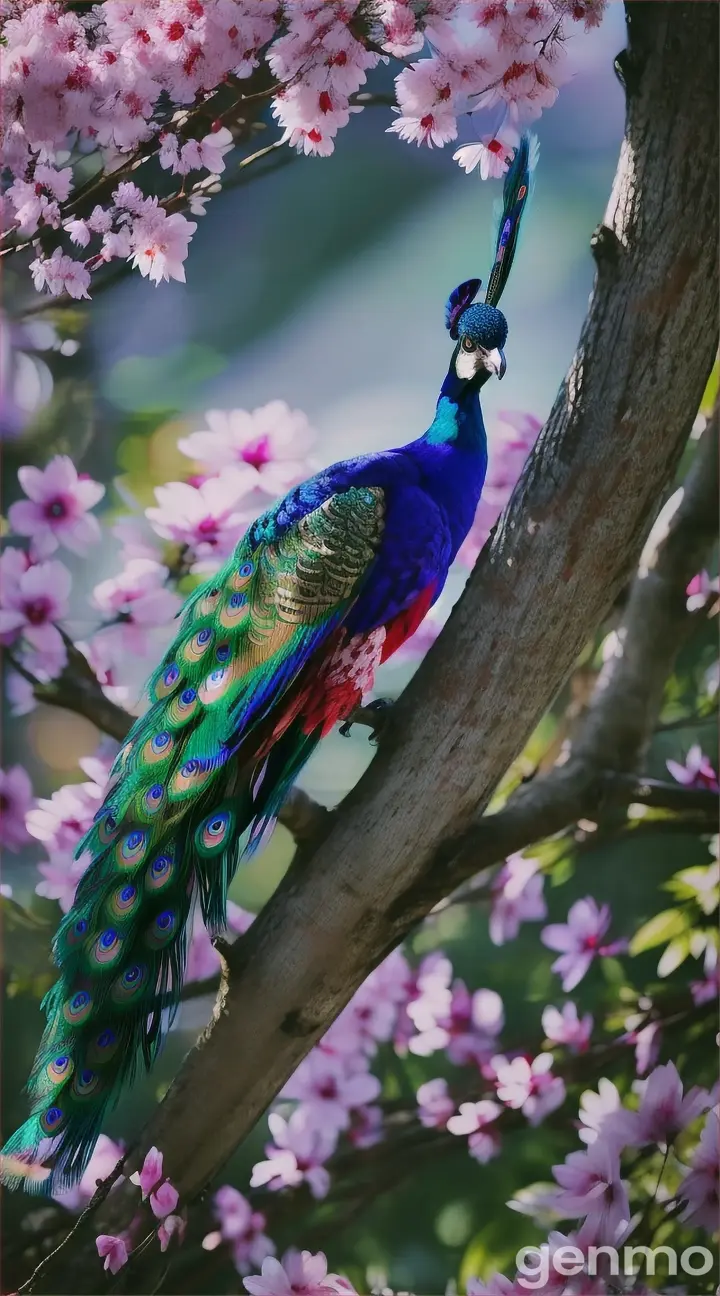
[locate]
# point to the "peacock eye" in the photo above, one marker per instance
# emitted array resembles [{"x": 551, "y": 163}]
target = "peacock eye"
[{"x": 467, "y": 344}]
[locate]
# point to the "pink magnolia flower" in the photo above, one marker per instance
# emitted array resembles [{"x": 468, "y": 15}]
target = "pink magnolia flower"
[
  {"x": 105, "y": 1157},
  {"x": 517, "y": 897},
  {"x": 209, "y": 519},
  {"x": 435, "y": 1106},
  {"x": 16, "y": 798},
  {"x": 272, "y": 440},
  {"x": 137, "y": 597},
  {"x": 696, "y": 772},
  {"x": 32, "y": 601},
  {"x": 297, "y": 1156},
  {"x": 172, "y": 1226},
  {"x": 491, "y": 155},
  {"x": 699, "y": 1189},
  {"x": 579, "y": 939},
  {"x": 150, "y": 1174},
  {"x": 529, "y": 1086},
  {"x": 159, "y": 244},
  {"x": 473, "y": 1119},
  {"x": 203, "y": 960},
  {"x": 56, "y": 510},
  {"x": 299, "y": 1274},
  {"x": 61, "y": 874},
  {"x": 115, "y": 1251},
  {"x": 563, "y": 1026},
  {"x": 329, "y": 1090},
  {"x": 591, "y": 1187},
  {"x": 241, "y": 1228},
  {"x": 663, "y": 1110}
]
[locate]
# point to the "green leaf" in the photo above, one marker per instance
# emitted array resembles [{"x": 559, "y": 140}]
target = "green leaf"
[
  {"x": 674, "y": 954},
  {"x": 663, "y": 927}
]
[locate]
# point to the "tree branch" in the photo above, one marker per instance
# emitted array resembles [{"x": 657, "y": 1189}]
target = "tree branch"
[{"x": 566, "y": 547}]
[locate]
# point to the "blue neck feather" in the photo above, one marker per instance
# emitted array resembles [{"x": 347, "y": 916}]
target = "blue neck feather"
[{"x": 458, "y": 418}]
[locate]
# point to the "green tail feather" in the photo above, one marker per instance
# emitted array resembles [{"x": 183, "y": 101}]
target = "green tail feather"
[
  {"x": 516, "y": 193},
  {"x": 198, "y": 780}
]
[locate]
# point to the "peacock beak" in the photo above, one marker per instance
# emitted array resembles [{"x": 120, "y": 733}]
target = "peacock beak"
[{"x": 496, "y": 362}]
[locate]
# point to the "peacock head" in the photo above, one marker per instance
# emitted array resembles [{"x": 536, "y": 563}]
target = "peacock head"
[{"x": 481, "y": 332}]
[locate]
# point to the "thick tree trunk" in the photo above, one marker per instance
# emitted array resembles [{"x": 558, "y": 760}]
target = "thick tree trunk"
[{"x": 568, "y": 543}]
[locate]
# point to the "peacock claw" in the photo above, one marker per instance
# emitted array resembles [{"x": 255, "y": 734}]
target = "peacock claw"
[{"x": 376, "y": 723}]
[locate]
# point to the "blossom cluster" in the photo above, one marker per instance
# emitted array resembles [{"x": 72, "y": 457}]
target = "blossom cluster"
[
  {"x": 135, "y": 78},
  {"x": 157, "y": 1190},
  {"x": 590, "y": 1186}
]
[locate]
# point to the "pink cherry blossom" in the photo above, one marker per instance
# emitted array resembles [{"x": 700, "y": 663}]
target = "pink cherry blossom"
[
  {"x": 564, "y": 1026},
  {"x": 371, "y": 1015},
  {"x": 579, "y": 940},
  {"x": 497, "y": 1285},
  {"x": 61, "y": 873},
  {"x": 699, "y": 590},
  {"x": 699, "y": 1188},
  {"x": 105, "y": 1157},
  {"x": 60, "y": 273},
  {"x": 172, "y": 1226},
  {"x": 159, "y": 245},
  {"x": 299, "y": 1274},
  {"x": 272, "y": 440},
  {"x": 203, "y": 960},
  {"x": 31, "y": 602},
  {"x": 647, "y": 1045},
  {"x": 241, "y": 1229},
  {"x": 709, "y": 988},
  {"x": 137, "y": 597},
  {"x": 329, "y": 1089},
  {"x": 16, "y": 798},
  {"x": 473, "y": 1119},
  {"x": 696, "y": 772},
  {"x": 529, "y": 1086},
  {"x": 663, "y": 1110},
  {"x": 435, "y": 1106},
  {"x": 208, "y": 519},
  {"x": 61, "y": 820},
  {"x": 56, "y": 510},
  {"x": 465, "y": 1025},
  {"x": 150, "y": 1173},
  {"x": 366, "y": 1126},
  {"x": 517, "y": 897},
  {"x": 164, "y": 1200},
  {"x": 115, "y": 1251},
  {"x": 491, "y": 156},
  {"x": 298, "y": 1154},
  {"x": 602, "y": 1115},
  {"x": 591, "y": 1188}
]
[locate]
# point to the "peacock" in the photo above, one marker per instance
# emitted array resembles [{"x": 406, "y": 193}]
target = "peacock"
[{"x": 271, "y": 652}]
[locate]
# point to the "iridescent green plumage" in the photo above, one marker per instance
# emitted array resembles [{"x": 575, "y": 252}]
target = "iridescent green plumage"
[{"x": 199, "y": 777}]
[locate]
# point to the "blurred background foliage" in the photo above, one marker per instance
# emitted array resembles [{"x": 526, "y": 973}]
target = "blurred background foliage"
[{"x": 322, "y": 282}]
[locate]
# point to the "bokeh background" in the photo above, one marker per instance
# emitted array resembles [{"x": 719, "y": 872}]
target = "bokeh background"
[{"x": 323, "y": 282}]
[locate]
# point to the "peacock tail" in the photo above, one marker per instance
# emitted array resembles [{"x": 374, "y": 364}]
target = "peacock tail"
[
  {"x": 517, "y": 189},
  {"x": 195, "y": 786}
]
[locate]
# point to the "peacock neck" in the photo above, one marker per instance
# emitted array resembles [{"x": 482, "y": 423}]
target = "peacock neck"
[{"x": 458, "y": 422}]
